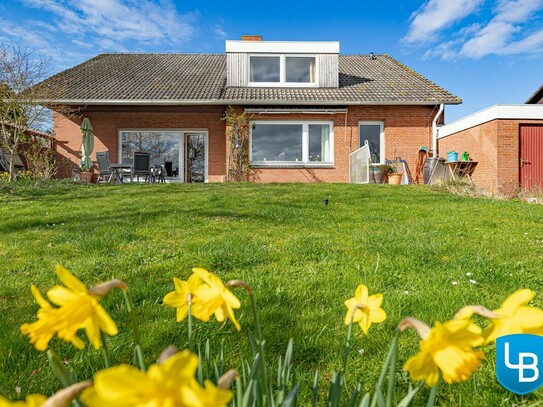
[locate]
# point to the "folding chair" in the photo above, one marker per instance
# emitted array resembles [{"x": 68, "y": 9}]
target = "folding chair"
[{"x": 104, "y": 166}]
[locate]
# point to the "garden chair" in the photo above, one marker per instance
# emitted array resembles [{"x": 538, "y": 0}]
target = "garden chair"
[
  {"x": 142, "y": 166},
  {"x": 104, "y": 167}
]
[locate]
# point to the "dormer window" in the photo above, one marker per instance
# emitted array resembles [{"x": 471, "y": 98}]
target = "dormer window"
[
  {"x": 283, "y": 70},
  {"x": 282, "y": 64}
]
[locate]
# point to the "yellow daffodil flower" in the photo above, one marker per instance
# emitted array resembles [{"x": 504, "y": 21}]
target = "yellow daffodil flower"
[
  {"x": 32, "y": 400},
  {"x": 78, "y": 309},
  {"x": 209, "y": 297},
  {"x": 180, "y": 297},
  {"x": 364, "y": 309},
  {"x": 515, "y": 316},
  {"x": 169, "y": 384},
  {"x": 447, "y": 348}
]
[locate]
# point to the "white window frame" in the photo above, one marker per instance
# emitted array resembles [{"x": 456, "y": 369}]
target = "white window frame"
[
  {"x": 381, "y": 125},
  {"x": 282, "y": 72},
  {"x": 182, "y": 139},
  {"x": 305, "y": 145}
]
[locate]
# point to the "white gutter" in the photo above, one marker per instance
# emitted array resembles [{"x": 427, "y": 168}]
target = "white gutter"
[
  {"x": 434, "y": 130},
  {"x": 224, "y": 102}
]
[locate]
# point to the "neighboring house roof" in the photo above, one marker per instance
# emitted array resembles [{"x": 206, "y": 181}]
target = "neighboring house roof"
[
  {"x": 537, "y": 97},
  {"x": 201, "y": 79}
]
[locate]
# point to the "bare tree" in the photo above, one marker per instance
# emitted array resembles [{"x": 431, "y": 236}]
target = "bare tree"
[{"x": 23, "y": 103}]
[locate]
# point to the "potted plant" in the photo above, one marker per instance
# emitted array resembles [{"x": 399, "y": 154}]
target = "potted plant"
[
  {"x": 86, "y": 173},
  {"x": 391, "y": 173}
]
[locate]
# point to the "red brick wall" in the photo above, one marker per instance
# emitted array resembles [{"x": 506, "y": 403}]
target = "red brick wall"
[
  {"x": 495, "y": 145},
  {"x": 406, "y": 129},
  {"x": 107, "y": 120}
]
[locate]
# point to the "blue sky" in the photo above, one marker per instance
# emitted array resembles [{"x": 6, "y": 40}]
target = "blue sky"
[{"x": 484, "y": 51}]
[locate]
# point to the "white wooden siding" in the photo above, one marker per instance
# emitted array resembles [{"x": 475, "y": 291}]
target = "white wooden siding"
[
  {"x": 236, "y": 67},
  {"x": 328, "y": 70}
]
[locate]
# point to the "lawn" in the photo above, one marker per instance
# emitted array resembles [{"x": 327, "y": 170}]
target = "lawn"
[{"x": 302, "y": 258}]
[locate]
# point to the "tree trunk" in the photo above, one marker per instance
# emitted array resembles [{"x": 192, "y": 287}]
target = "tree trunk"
[{"x": 11, "y": 167}]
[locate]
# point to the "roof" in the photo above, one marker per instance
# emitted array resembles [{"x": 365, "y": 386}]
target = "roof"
[
  {"x": 201, "y": 79},
  {"x": 495, "y": 112},
  {"x": 537, "y": 97}
]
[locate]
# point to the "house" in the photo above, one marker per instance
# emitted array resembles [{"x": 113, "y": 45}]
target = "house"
[
  {"x": 536, "y": 98},
  {"x": 310, "y": 108},
  {"x": 505, "y": 140}
]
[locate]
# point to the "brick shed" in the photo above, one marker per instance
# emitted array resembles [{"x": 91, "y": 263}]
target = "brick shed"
[{"x": 506, "y": 140}]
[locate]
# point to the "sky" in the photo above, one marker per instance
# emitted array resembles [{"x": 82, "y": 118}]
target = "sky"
[{"x": 484, "y": 51}]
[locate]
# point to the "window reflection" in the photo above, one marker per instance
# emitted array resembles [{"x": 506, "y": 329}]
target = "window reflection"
[
  {"x": 265, "y": 69},
  {"x": 300, "y": 69},
  {"x": 372, "y": 133},
  {"x": 277, "y": 142}
]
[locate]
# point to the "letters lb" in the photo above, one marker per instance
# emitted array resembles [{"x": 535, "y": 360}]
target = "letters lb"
[{"x": 519, "y": 362}]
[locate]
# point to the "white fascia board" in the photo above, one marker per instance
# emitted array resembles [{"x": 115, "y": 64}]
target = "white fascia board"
[
  {"x": 506, "y": 112},
  {"x": 283, "y": 47}
]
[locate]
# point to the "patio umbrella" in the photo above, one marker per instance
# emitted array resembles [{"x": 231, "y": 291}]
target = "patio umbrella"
[{"x": 87, "y": 144}]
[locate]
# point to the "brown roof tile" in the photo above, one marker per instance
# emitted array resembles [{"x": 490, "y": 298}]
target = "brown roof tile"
[{"x": 191, "y": 78}]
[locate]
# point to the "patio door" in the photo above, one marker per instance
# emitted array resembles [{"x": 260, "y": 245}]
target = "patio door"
[{"x": 195, "y": 157}]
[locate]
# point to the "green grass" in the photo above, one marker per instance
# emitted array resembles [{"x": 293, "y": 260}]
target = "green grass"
[{"x": 303, "y": 259}]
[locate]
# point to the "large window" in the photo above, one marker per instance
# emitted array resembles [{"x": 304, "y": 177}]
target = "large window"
[
  {"x": 274, "y": 70},
  {"x": 374, "y": 134},
  {"x": 291, "y": 143}
]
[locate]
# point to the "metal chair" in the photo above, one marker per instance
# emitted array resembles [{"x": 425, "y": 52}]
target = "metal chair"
[
  {"x": 104, "y": 166},
  {"x": 142, "y": 166}
]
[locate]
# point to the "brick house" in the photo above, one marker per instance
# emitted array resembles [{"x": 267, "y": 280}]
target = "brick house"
[
  {"x": 505, "y": 140},
  {"x": 310, "y": 108}
]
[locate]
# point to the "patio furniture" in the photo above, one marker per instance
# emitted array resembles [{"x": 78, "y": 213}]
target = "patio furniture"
[
  {"x": 142, "y": 166},
  {"x": 158, "y": 170},
  {"x": 104, "y": 166},
  {"x": 119, "y": 170}
]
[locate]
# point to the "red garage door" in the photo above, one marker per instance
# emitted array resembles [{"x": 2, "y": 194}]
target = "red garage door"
[{"x": 531, "y": 156}]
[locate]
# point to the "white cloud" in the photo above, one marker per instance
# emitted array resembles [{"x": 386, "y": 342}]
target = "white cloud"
[
  {"x": 118, "y": 21},
  {"x": 509, "y": 29},
  {"x": 436, "y": 15},
  {"x": 497, "y": 37},
  {"x": 219, "y": 32}
]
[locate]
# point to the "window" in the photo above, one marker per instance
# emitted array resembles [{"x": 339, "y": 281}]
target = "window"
[
  {"x": 300, "y": 69},
  {"x": 291, "y": 143},
  {"x": 265, "y": 69},
  {"x": 275, "y": 70},
  {"x": 373, "y": 132}
]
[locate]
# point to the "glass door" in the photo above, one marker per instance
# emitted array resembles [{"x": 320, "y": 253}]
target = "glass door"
[{"x": 195, "y": 157}]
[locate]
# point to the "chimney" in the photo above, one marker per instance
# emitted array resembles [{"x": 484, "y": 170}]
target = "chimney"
[{"x": 251, "y": 38}]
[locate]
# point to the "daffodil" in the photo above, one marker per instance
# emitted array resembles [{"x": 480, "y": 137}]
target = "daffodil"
[
  {"x": 515, "y": 316},
  {"x": 447, "y": 348},
  {"x": 184, "y": 292},
  {"x": 32, "y": 400},
  {"x": 169, "y": 384},
  {"x": 364, "y": 309},
  {"x": 78, "y": 308},
  {"x": 210, "y": 297}
]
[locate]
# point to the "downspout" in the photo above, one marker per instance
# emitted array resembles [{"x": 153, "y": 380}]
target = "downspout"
[{"x": 434, "y": 129}]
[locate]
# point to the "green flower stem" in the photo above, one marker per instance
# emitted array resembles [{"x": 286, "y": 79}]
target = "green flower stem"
[
  {"x": 390, "y": 356},
  {"x": 190, "y": 320},
  {"x": 105, "y": 350},
  {"x": 392, "y": 370},
  {"x": 137, "y": 349},
  {"x": 433, "y": 394},
  {"x": 347, "y": 346},
  {"x": 264, "y": 376}
]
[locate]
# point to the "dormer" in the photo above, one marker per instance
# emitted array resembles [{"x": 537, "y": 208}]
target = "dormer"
[{"x": 252, "y": 62}]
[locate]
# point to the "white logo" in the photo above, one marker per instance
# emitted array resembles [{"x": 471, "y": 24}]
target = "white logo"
[{"x": 522, "y": 366}]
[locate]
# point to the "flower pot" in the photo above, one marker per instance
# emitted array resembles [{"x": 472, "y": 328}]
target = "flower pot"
[
  {"x": 395, "y": 179},
  {"x": 86, "y": 177}
]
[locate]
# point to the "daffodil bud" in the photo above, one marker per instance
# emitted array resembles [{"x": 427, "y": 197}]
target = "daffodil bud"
[
  {"x": 101, "y": 290},
  {"x": 421, "y": 327},
  {"x": 64, "y": 397}
]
